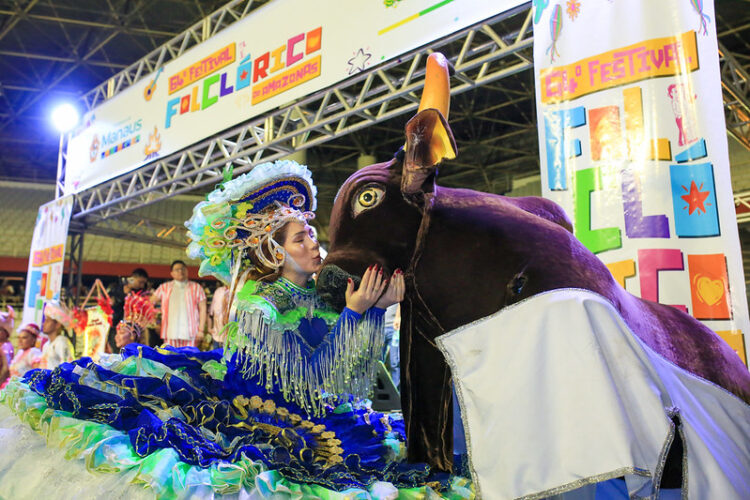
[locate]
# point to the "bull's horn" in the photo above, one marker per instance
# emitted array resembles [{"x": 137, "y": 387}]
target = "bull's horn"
[
  {"x": 437, "y": 89},
  {"x": 437, "y": 95},
  {"x": 429, "y": 139}
]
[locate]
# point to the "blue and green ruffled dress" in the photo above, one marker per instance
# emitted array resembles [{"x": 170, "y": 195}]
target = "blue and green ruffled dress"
[{"x": 282, "y": 405}]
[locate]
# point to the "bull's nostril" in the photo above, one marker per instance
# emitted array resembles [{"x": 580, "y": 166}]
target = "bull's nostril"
[{"x": 331, "y": 285}]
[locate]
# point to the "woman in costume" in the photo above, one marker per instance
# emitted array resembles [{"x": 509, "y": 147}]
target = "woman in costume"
[
  {"x": 28, "y": 356},
  {"x": 285, "y": 338},
  {"x": 282, "y": 407},
  {"x": 59, "y": 349}
]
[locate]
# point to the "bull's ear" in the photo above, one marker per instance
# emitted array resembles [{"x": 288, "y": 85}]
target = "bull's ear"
[
  {"x": 429, "y": 140},
  {"x": 428, "y": 137}
]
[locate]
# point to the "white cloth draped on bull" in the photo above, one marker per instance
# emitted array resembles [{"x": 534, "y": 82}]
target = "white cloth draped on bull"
[{"x": 556, "y": 392}]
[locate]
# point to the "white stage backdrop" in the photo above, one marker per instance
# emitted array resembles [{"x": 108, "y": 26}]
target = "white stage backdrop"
[
  {"x": 47, "y": 257},
  {"x": 260, "y": 63},
  {"x": 633, "y": 145}
]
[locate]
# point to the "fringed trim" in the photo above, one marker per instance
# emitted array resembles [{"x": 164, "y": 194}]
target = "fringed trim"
[{"x": 344, "y": 363}]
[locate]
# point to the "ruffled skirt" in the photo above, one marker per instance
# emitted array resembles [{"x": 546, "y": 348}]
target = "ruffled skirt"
[{"x": 176, "y": 420}]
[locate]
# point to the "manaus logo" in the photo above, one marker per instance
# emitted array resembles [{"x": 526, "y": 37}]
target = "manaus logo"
[{"x": 94, "y": 149}]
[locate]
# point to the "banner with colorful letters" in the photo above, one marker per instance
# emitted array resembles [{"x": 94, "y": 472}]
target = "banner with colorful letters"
[
  {"x": 46, "y": 257},
  {"x": 633, "y": 145},
  {"x": 266, "y": 60}
]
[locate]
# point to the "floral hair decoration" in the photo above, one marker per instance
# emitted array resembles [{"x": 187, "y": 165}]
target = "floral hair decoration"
[
  {"x": 138, "y": 314},
  {"x": 31, "y": 328},
  {"x": 243, "y": 214}
]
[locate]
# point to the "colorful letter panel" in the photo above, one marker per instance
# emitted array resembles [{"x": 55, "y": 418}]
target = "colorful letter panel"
[
  {"x": 596, "y": 240},
  {"x": 694, "y": 152},
  {"x": 555, "y": 125},
  {"x": 650, "y": 262},
  {"x": 638, "y": 148},
  {"x": 636, "y": 224},
  {"x": 736, "y": 341},
  {"x": 37, "y": 280},
  {"x": 605, "y": 133},
  {"x": 709, "y": 286},
  {"x": 694, "y": 200},
  {"x": 622, "y": 270}
]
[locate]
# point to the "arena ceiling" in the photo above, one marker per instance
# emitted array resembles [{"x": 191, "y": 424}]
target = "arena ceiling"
[{"x": 59, "y": 49}]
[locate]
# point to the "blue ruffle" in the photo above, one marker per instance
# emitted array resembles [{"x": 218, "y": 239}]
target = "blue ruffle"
[{"x": 208, "y": 421}]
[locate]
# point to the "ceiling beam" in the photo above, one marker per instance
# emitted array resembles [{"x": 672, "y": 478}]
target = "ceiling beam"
[
  {"x": 70, "y": 60},
  {"x": 91, "y": 24},
  {"x": 17, "y": 15},
  {"x": 62, "y": 76}
]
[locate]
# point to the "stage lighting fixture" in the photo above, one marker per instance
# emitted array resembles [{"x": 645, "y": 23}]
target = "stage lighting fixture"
[{"x": 64, "y": 117}]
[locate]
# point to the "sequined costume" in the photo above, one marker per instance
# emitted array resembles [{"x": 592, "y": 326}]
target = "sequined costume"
[{"x": 290, "y": 349}]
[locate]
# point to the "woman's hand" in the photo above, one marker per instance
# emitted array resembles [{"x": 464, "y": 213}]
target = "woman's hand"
[
  {"x": 395, "y": 291},
  {"x": 369, "y": 290}
]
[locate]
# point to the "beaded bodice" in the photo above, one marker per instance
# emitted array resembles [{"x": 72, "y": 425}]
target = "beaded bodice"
[{"x": 286, "y": 296}]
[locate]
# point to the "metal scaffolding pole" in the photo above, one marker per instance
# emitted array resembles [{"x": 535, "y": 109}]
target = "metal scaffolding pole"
[
  {"x": 62, "y": 161},
  {"x": 75, "y": 263},
  {"x": 735, "y": 85}
]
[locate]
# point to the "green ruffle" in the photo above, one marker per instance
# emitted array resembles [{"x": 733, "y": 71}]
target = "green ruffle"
[
  {"x": 216, "y": 369},
  {"x": 107, "y": 450},
  {"x": 248, "y": 299}
]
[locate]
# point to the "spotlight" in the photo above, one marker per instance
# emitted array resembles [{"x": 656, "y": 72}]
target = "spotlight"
[{"x": 64, "y": 117}]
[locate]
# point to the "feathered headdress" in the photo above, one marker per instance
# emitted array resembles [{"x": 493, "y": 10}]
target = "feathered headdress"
[
  {"x": 243, "y": 214},
  {"x": 60, "y": 313},
  {"x": 138, "y": 314},
  {"x": 139, "y": 310}
]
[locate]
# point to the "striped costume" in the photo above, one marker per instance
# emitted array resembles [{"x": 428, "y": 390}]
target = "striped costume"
[{"x": 185, "y": 321}]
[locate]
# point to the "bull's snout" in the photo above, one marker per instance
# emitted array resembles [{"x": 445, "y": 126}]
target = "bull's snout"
[{"x": 331, "y": 285}]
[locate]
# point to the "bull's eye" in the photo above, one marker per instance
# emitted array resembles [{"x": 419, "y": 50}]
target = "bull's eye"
[{"x": 367, "y": 197}]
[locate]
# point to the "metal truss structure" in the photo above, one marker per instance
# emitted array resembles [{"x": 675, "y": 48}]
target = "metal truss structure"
[
  {"x": 75, "y": 264},
  {"x": 139, "y": 229},
  {"x": 198, "y": 33},
  {"x": 742, "y": 202},
  {"x": 735, "y": 84},
  {"x": 480, "y": 54}
]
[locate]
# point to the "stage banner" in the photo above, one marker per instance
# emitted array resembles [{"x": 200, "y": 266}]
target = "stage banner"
[
  {"x": 633, "y": 145},
  {"x": 281, "y": 52},
  {"x": 46, "y": 258}
]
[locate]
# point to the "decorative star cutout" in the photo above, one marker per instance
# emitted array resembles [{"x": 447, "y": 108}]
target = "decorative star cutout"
[
  {"x": 357, "y": 63},
  {"x": 695, "y": 198}
]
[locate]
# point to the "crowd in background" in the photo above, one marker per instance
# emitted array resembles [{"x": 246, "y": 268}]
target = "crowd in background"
[{"x": 186, "y": 318}]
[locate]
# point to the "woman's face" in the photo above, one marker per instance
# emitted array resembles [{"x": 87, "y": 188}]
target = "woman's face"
[
  {"x": 26, "y": 340},
  {"x": 301, "y": 245},
  {"x": 124, "y": 335}
]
